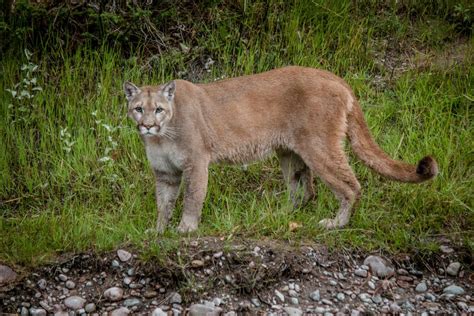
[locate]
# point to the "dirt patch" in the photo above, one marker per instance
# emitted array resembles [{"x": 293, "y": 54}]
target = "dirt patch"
[{"x": 246, "y": 276}]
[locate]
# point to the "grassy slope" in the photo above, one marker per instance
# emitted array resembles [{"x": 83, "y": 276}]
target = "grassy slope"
[{"x": 55, "y": 200}]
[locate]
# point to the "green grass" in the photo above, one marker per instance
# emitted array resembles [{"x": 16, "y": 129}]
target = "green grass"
[{"x": 58, "y": 193}]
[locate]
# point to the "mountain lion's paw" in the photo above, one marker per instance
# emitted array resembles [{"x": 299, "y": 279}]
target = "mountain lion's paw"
[{"x": 187, "y": 226}]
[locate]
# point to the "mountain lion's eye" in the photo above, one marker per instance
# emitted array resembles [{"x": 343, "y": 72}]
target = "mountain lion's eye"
[
  {"x": 159, "y": 110},
  {"x": 139, "y": 109}
]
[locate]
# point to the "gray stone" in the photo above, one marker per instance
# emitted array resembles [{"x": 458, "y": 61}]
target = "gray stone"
[
  {"x": 122, "y": 311},
  {"x": 430, "y": 297},
  {"x": 256, "y": 302},
  {"x": 421, "y": 287},
  {"x": 197, "y": 263},
  {"x": 326, "y": 301},
  {"x": 364, "y": 297},
  {"x": 204, "y": 310},
  {"x": 176, "y": 298},
  {"x": 132, "y": 301},
  {"x": 115, "y": 264},
  {"x": 453, "y": 289},
  {"x": 280, "y": 296},
  {"x": 315, "y": 296},
  {"x": 131, "y": 272},
  {"x": 127, "y": 280},
  {"x": 294, "y": 301},
  {"x": 453, "y": 268},
  {"x": 7, "y": 275},
  {"x": 150, "y": 294},
  {"x": 159, "y": 312},
  {"x": 319, "y": 310},
  {"x": 37, "y": 312},
  {"x": 361, "y": 273},
  {"x": 379, "y": 266},
  {"x": 293, "y": 311},
  {"x": 340, "y": 296},
  {"x": 70, "y": 285},
  {"x": 62, "y": 277},
  {"x": 217, "y": 301},
  {"x": 113, "y": 294},
  {"x": 394, "y": 308},
  {"x": 90, "y": 308},
  {"x": 293, "y": 293},
  {"x": 377, "y": 299},
  {"x": 24, "y": 311},
  {"x": 124, "y": 255},
  {"x": 42, "y": 284},
  {"x": 74, "y": 302}
]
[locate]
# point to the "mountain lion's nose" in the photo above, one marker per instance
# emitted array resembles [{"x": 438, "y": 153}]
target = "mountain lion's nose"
[{"x": 147, "y": 126}]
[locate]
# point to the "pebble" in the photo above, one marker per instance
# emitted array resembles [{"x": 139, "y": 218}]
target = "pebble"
[
  {"x": 293, "y": 293},
  {"x": 364, "y": 297},
  {"x": 315, "y": 296},
  {"x": 158, "y": 312},
  {"x": 113, "y": 294},
  {"x": 37, "y": 312},
  {"x": 217, "y": 301},
  {"x": 361, "y": 273},
  {"x": 7, "y": 275},
  {"x": 326, "y": 301},
  {"x": 124, "y": 255},
  {"x": 90, "y": 308},
  {"x": 453, "y": 289},
  {"x": 204, "y": 310},
  {"x": 377, "y": 299},
  {"x": 293, "y": 311},
  {"x": 70, "y": 284},
  {"x": 115, "y": 264},
  {"x": 453, "y": 268},
  {"x": 319, "y": 310},
  {"x": 421, "y": 287},
  {"x": 280, "y": 296},
  {"x": 294, "y": 301},
  {"x": 197, "y": 263},
  {"x": 150, "y": 294},
  {"x": 42, "y": 284},
  {"x": 74, "y": 302},
  {"x": 379, "y": 266},
  {"x": 122, "y": 311},
  {"x": 24, "y": 311},
  {"x": 256, "y": 302},
  {"x": 62, "y": 277},
  {"x": 394, "y": 308},
  {"x": 340, "y": 296},
  {"x": 132, "y": 301},
  {"x": 176, "y": 298}
]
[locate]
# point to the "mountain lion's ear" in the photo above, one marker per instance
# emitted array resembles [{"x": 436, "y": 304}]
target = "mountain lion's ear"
[
  {"x": 169, "y": 90},
  {"x": 130, "y": 90}
]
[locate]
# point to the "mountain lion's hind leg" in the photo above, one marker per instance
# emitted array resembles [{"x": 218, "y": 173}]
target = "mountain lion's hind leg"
[
  {"x": 333, "y": 168},
  {"x": 297, "y": 176}
]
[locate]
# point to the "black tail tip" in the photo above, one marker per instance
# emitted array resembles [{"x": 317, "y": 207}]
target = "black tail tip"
[{"x": 427, "y": 168}]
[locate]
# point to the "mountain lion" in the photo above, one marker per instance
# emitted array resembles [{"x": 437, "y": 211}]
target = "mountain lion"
[{"x": 302, "y": 114}]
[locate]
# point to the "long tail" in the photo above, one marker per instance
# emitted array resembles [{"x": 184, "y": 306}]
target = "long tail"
[{"x": 373, "y": 156}]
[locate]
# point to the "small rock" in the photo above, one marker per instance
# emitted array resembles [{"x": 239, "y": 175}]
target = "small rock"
[
  {"x": 320, "y": 310},
  {"x": 62, "y": 277},
  {"x": 204, "y": 310},
  {"x": 453, "y": 268},
  {"x": 131, "y": 272},
  {"x": 217, "y": 255},
  {"x": 256, "y": 302},
  {"x": 115, "y": 264},
  {"x": 217, "y": 301},
  {"x": 280, "y": 296},
  {"x": 90, "y": 308},
  {"x": 24, "y": 311},
  {"x": 377, "y": 299},
  {"x": 197, "y": 263},
  {"x": 361, "y": 273},
  {"x": 132, "y": 301},
  {"x": 113, "y": 294},
  {"x": 293, "y": 293},
  {"x": 294, "y": 301},
  {"x": 176, "y": 298},
  {"x": 124, "y": 255},
  {"x": 421, "y": 287},
  {"x": 158, "y": 312},
  {"x": 70, "y": 285},
  {"x": 293, "y": 311},
  {"x": 315, "y": 296},
  {"x": 340, "y": 296},
  {"x": 326, "y": 301},
  {"x": 430, "y": 297},
  {"x": 150, "y": 294},
  {"x": 446, "y": 249},
  {"x": 355, "y": 312},
  {"x": 394, "y": 308},
  {"x": 42, "y": 284},
  {"x": 379, "y": 266},
  {"x": 122, "y": 311},
  {"x": 37, "y": 312},
  {"x": 453, "y": 289},
  {"x": 7, "y": 275},
  {"x": 74, "y": 302},
  {"x": 364, "y": 297}
]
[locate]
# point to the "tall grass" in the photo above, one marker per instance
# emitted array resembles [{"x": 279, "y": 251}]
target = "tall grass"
[{"x": 74, "y": 175}]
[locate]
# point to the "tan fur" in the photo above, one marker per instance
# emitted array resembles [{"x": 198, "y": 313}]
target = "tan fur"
[{"x": 301, "y": 113}]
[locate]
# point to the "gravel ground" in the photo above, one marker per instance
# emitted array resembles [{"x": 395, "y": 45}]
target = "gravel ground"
[{"x": 212, "y": 277}]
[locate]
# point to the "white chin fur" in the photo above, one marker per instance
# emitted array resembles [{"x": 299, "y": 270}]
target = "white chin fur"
[{"x": 148, "y": 132}]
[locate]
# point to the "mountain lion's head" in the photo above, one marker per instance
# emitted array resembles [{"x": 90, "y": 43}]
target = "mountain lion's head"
[{"x": 150, "y": 107}]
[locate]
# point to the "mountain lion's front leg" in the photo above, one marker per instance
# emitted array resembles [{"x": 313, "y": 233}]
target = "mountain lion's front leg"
[
  {"x": 195, "y": 178},
  {"x": 167, "y": 189}
]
